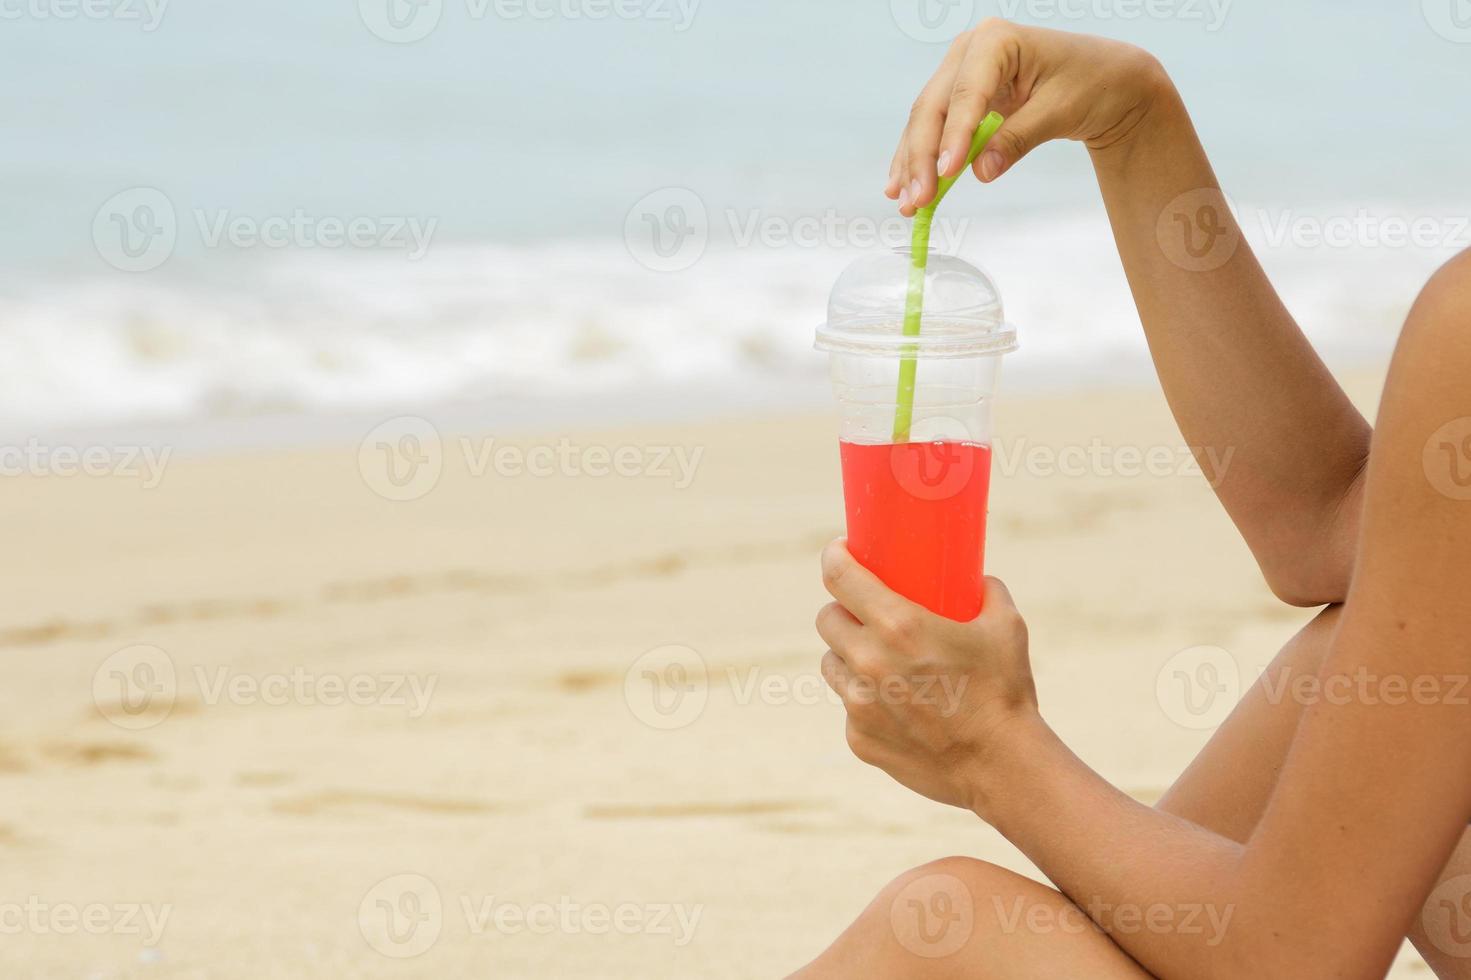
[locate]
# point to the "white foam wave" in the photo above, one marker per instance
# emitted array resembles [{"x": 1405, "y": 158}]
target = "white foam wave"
[{"x": 306, "y": 332}]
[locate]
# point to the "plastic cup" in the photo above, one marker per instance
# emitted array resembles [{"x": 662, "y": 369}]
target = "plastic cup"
[{"x": 916, "y": 510}]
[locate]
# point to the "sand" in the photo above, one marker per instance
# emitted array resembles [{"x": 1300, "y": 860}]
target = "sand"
[{"x": 492, "y": 764}]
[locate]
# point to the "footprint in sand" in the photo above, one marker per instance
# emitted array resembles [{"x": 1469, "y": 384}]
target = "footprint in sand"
[
  {"x": 753, "y": 808},
  {"x": 87, "y": 754},
  {"x": 333, "y": 801}
]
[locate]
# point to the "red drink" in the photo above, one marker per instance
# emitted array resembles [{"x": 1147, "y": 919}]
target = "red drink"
[{"x": 917, "y": 519}]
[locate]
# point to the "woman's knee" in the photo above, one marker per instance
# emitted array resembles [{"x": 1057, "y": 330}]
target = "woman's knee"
[
  {"x": 962, "y": 917},
  {"x": 964, "y": 905}
]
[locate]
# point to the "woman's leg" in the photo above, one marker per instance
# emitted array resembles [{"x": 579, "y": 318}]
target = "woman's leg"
[
  {"x": 963, "y": 918},
  {"x": 1228, "y": 785}
]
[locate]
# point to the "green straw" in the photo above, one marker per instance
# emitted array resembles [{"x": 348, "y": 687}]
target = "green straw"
[{"x": 919, "y": 256}]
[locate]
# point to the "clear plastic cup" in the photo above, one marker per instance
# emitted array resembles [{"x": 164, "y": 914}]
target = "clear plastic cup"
[{"x": 916, "y": 509}]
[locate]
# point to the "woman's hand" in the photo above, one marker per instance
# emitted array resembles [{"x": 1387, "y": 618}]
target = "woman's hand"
[
  {"x": 930, "y": 701},
  {"x": 1048, "y": 84}
]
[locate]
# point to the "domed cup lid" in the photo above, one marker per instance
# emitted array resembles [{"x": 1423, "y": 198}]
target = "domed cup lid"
[{"x": 962, "y": 310}]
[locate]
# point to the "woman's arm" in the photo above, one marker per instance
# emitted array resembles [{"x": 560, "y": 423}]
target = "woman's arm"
[
  {"x": 1243, "y": 382},
  {"x": 1381, "y": 753}
]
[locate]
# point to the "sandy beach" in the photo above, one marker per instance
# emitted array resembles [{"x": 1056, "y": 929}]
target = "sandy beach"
[{"x": 263, "y": 722}]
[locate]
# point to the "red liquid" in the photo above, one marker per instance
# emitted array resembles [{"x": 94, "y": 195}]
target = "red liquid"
[{"x": 917, "y": 519}]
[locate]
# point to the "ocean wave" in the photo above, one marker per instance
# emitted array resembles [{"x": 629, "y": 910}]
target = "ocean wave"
[{"x": 312, "y": 332}]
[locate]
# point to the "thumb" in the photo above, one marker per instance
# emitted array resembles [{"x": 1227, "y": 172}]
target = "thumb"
[{"x": 1022, "y": 133}]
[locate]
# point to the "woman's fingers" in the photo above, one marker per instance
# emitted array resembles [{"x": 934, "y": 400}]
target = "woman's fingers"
[
  {"x": 1023, "y": 131},
  {"x": 925, "y": 124},
  {"x": 896, "y": 168},
  {"x": 859, "y": 591},
  {"x": 919, "y": 147},
  {"x": 991, "y": 59},
  {"x": 837, "y": 627},
  {"x": 835, "y": 671}
]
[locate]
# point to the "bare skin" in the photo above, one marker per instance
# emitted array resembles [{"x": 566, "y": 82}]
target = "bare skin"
[{"x": 1299, "y": 796}]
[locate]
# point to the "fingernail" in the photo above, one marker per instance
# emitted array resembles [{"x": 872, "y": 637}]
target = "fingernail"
[
  {"x": 914, "y": 189},
  {"x": 942, "y": 166},
  {"x": 991, "y": 164},
  {"x": 904, "y": 198}
]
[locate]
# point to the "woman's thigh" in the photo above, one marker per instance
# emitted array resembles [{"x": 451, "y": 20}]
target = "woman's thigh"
[
  {"x": 1227, "y": 788},
  {"x": 960, "y": 917}
]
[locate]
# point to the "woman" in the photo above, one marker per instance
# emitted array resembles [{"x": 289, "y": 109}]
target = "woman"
[{"x": 1314, "y": 832}]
